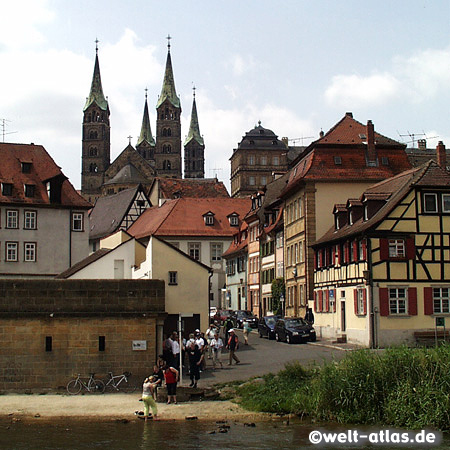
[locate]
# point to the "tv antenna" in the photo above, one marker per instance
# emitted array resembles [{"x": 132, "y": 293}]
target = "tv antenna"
[
  {"x": 300, "y": 139},
  {"x": 3, "y": 126},
  {"x": 413, "y": 137},
  {"x": 215, "y": 170}
]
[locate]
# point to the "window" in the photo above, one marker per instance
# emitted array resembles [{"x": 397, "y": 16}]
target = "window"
[
  {"x": 264, "y": 180},
  {"x": 209, "y": 219},
  {"x": 263, "y": 161},
  {"x": 361, "y": 302},
  {"x": 446, "y": 203},
  {"x": 29, "y": 190},
  {"x": 337, "y": 160},
  {"x": 12, "y": 218},
  {"x": 29, "y": 251},
  {"x": 397, "y": 301},
  {"x": 194, "y": 250},
  {"x": 48, "y": 343},
  {"x": 234, "y": 221},
  {"x": 276, "y": 160},
  {"x": 397, "y": 248},
  {"x": 26, "y": 167},
  {"x": 101, "y": 343},
  {"x": 430, "y": 203},
  {"x": 11, "y": 251},
  {"x": 173, "y": 278},
  {"x": 7, "y": 189},
  {"x": 441, "y": 300},
  {"x": 216, "y": 252},
  {"x": 77, "y": 222},
  {"x": 251, "y": 160},
  {"x": 251, "y": 181},
  {"x": 385, "y": 160}
]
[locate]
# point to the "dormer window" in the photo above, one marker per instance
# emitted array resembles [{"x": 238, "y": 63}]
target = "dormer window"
[
  {"x": 385, "y": 160},
  {"x": 7, "y": 189},
  {"x": 337, "y": 160},
  {"x": 234, "y": 220},
  {"x": 209, "y": 218},
  {"x": 26, "y": 167},
  {"x": 29, "y": 190}
]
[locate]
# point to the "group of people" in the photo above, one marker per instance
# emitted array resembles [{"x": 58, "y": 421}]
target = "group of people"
[{"x": 196, "y": 347}]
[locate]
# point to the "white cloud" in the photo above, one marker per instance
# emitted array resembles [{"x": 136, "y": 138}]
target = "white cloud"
[
  {"x": 411, "y": 79},
  {"x": 240, "y": 65}
]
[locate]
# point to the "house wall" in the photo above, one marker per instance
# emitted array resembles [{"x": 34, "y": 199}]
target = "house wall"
[
  {"x": 57, "y": 247},
  {"x": 74, "y": 314}
]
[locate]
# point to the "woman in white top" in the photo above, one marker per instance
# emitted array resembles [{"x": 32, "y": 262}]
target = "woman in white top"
[
  {"x": 217, "y": 345},
  {"x": 147, "y": 398}
]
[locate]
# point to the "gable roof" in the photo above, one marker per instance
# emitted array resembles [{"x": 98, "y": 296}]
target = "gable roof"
[
  {"x": 184, "y": 217},
  {"x": 43, "y": 169},
  {"x": 393, "y": 190},
  {"x": 84, "y": 262},
  {"x": 171, "y": 188},
  {"x": 109, "y": 212}
]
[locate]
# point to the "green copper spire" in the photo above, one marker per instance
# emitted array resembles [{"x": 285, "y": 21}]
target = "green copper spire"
[
  {"x": 194, "y": 129},
  {"x": 96, "y": 94},
  {"x": 146, "y": 131},
  {"x": 168, "y": 89}
]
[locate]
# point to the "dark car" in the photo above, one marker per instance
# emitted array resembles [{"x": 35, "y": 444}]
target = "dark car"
[
  {"x": 294, "y": 329},
  {"x": 266, "y": 326},
  {"x": 240, "y": 316},
  {"x": 222, "y": 315}
]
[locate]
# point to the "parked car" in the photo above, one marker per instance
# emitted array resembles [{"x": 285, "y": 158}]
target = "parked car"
[
  {"x": 240, "y": 316},
  {"x": 266, "y": 326},
  {"x": 294, "y": 329},
  {"x": 222, "y": 315}
]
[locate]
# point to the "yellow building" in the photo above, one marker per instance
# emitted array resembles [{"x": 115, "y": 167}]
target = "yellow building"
[
  {"x": 342, "y": 163},
  {"x": 382, "y": 272}
]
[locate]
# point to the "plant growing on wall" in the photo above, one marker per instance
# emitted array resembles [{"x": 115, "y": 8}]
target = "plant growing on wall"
[{"x": 278, "y": 289}]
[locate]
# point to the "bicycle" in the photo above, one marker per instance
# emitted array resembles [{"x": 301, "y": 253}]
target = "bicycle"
[
  {"x": 114, "y": 382},
  {"x": 92, "y": 385}
]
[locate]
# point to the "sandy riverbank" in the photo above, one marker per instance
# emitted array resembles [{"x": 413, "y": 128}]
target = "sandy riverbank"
[{"x": 115, "y": 406}]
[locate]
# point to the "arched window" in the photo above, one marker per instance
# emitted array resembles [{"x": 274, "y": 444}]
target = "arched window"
[
  {"x": 167, "y": 165},
  {"x": 93, "y": 135},
  {"x": 93, "y": 151},
  {"x": 169, "y": 132},
  {"x": 93, "y": 168}
]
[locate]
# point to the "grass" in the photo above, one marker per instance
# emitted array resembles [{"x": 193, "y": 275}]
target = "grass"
[{"x": 402, "y": 387}]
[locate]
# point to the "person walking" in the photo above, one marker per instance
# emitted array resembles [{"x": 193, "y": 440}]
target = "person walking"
[
  {"x": 147, "y": 398},
  {"x": 309, "y": 316},
  {"x": 216, "y": 346},
  {"x": 195, "y": 360},
  {"x": 246, "y": 331},
  {"x": 171, "y": 376},
  {"x": 233, "y": 345},
  {"x": 227, "y": 326}
]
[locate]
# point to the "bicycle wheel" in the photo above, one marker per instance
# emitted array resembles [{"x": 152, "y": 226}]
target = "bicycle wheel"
[
  {"x": 98, "y": 388},
  {"x": 109, "y": 387},
  {"x": 130, "y": 386},
  {"x": 73, "y": 387}
]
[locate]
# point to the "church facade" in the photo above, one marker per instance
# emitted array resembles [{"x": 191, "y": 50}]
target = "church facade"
[{"x": 152, "y": 157}]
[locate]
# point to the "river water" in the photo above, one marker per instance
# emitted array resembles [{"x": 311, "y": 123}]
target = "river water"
[{"x": 137, "y": 435}]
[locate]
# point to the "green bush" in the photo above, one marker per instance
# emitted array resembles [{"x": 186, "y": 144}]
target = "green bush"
[{"x": 400, "y": 386}]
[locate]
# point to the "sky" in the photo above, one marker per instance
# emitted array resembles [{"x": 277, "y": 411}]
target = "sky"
[{"x": 297, "y": 66}]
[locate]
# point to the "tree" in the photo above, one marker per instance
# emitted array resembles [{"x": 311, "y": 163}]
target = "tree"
[{"x": 278, "y": 288}]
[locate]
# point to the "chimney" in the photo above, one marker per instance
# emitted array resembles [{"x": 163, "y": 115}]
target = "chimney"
[
  {"x": 349, "y": 114},
  {"x": 422, "y": 144},
  {"x": 371, "y": 152},
  {"x": 285, "y": 141},
  {"x": 321, "y": 134},
  {"x": 441, "y": 155}
]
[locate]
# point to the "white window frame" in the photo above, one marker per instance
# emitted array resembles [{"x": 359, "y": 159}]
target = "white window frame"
[
  {"x": 216, "y": 251},
  {"x": 441, "y": 298},
  {"x": 11, "y": 251},
  {"x": 12, "y": 218},
  {"x": 360, "y": 302},
  {"x": 29, "y": 251},
  {"x": 398, "y": 301},
  {"x": 29, "y": 220},
  {"x": 209, "y": 219},
  {"x": 234, "y": 221},
  {"x": 397, "y": 248},
  {"x": 251, "y": 160},
  {"x": 445, "y": 196},
  {"x": 77, "y": 221},
  {"x": 194, "y": 250}
]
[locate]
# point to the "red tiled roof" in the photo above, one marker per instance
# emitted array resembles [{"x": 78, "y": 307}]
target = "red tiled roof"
[
  {"x": 43, "y": 168},
  {"x": 184, "y": 217},
  {"x": 343, "y": 141},
  {"x": 195, "y": 188},
  {"x": 237, "y": 247}
]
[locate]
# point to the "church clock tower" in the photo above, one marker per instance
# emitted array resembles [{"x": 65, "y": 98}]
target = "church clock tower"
[
  {"x": 95, "y": 158},
  {"x": 168, "y": 126}
]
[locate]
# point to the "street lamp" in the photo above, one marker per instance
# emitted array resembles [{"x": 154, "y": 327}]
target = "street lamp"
[{"x": 282, "y": 304}]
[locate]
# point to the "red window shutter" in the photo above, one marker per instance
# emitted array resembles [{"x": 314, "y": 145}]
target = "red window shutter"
[
  {"x": 327, "y": 301},
  {"x": 355, "y": 250},
  {"x": 412, "y": 301},
  {"x": 428, "y": 300},
  {"x": 410, "y": 248},
  {"x": 365, "y": 301},
  {"x": 384, "y": 249},
  {"x": 320, "y": 301},
  {"x": 315, "y": 301},
  {"x": 355, "y": 295},
  {"x": 364, "y": 250},
  {"x": 384, "y": 302},
  {"x": 339, "y": 253}
]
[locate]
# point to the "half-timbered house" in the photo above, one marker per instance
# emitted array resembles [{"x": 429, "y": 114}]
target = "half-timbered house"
[{"x": 382, "y": 272}]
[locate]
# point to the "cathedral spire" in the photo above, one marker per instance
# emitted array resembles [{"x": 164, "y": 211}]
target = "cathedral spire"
[
  {"x": 146, "y": 131},
  {"x": 194, "y": 128},
  {"x": 96, "y": 93},
  {"x": 168, "y": 89}
]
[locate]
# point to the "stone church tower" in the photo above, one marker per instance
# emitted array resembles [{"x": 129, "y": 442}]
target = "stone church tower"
[
  {"x": 146, "y": 144},
  {"x": 168, "y": 126},
  {"x": 194, "y": 148},
  {"x": 96, "y": 145}
]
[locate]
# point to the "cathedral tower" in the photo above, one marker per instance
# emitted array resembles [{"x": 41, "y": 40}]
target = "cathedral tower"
[
  {"x": 146, "y": 144},
  {"x": 168, "y": 126},
  {"x": 194, "y": 148},
  {"x": 95, "y": 158}
]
